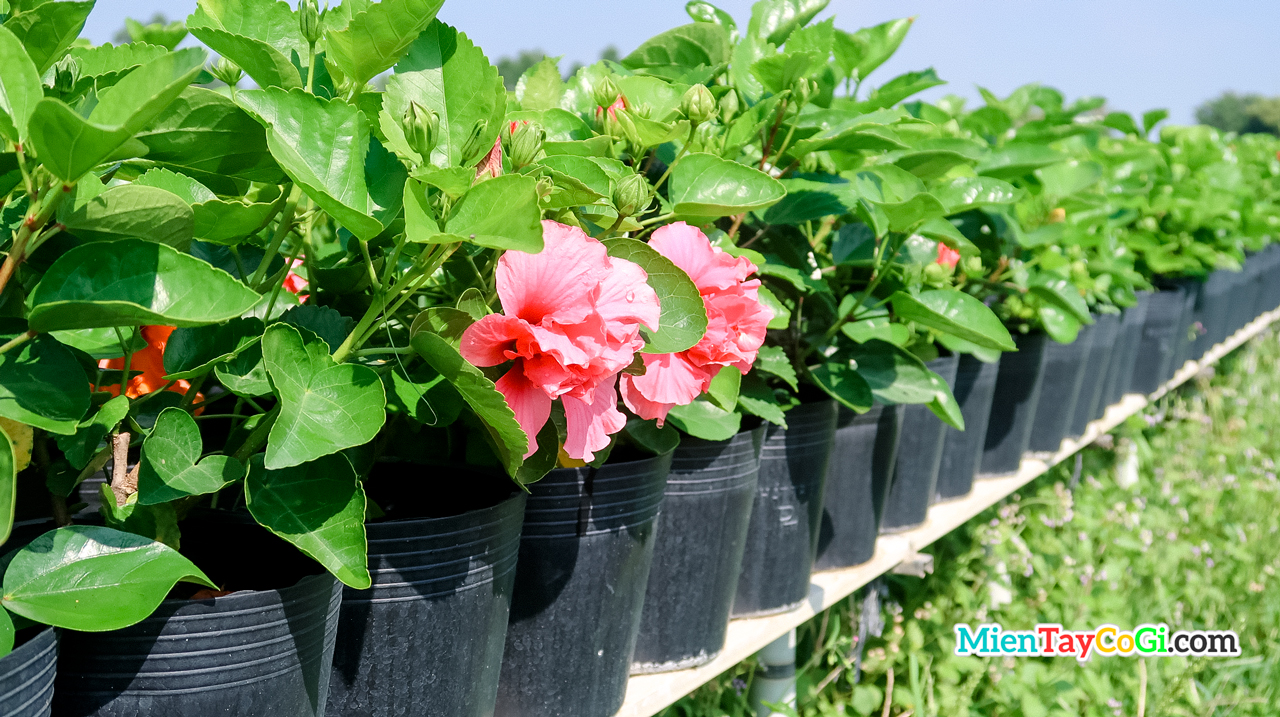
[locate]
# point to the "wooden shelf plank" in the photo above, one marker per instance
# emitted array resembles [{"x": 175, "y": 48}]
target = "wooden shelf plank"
[{"x": 649, "y": 694}]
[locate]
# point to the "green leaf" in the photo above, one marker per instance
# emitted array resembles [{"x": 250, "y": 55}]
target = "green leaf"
[
  {"x": 841, "y": 381},
  {"x": 324, "y": 406},
  {"x": 446, "y": 73},
  {"x": 132, "y": 210},
  {"x": 907, "y": 215},
  {"x": 70, "y": 145},
  {"x": 683, "y": 318},
  {"x": 259, "y": 35},
  {"x": 154, "y": 522},
  {"x": 192, "y": 352},
  {"x": 133, "y": 283},
  {"x": 167, "y": 36},
  {"x": 546, "y": 457},
  {"x": 1059, "y": 324},
  {"x": 323, "y": 321},
  {"x": 704, "y": 420},
  {"x": 868, "y": 48},
  {"x": 894, "y": 374},
  {"x": 902, "y": 87},
  {"x": 90, "y": 435},
  {"x": 758, "y": 399},
  {"x": 501, "y": 213},
  {"x": 6, "y": 633},
  {"x": 508, "y": 440},
  {"x": 724, "y": 388},
  {"x": 1151, "y": 119},
  {"x": 20, "y": 88},
  {"x": 775, "y": 20},
  {"x": 168, "y": 467},
  {"x": 688, "y": 46},
  {"x": 956, "y": 313},
  {"x": 1063, "y": 294},
  {"x": 319, "y": 507},
  {"x": 944, "y": 404},
  {"x": 215, "y": 220},
  {"x": 8, "y": 500},
  {"x": 377, "y": 36},
  {"x": 649, "y": 436},
  {"x": 47, "y": 29},
  {"x": 931, "y": 163},
  {"x": 781, "y": 314},
  {"x": 205, "y": 135},
  {"x": 540, "y": 87},
  {"x": 42, "y": 385},
  {"x": 1067, "y": 178},
  {"x": 321, "y": 144},
  {"x": 880, "y": 327},
  {"x": 1122, "y": 121},
  {"x": 1017, "y": 160},
  {"x": 773, "y": 361},
  {"x": 812, "y": 197},
  {"x": 246, "y": 374},
  {"x": 704, "y": 186},
  {"x": 965, "y": 193},
  {"x": 422, "y": 394},
  {"x": 94, "y": 579}
]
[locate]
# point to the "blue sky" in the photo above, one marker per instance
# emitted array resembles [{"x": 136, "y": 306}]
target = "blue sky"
[{"x": 1140, "y": 54}]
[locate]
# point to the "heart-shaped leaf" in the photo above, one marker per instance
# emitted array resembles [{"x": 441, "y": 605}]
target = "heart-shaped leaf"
[
  {"x": 134, "y": 283},
  {"x": 704, "y": 186},
  {"x": 94, "y": 579},
  {"x": 168, "y": 467},
  {"x": 377, "y": 36},
  {"x": 957, "y": 313},
  {"x": 319, "y": 507},
  {"x": 42, "y": 385},
  {"x": 683, "y": 318},
  {"x": 324, "y": 406},
  {"x": 20, "y": 88},
  {"x": 132, "y": 210}
]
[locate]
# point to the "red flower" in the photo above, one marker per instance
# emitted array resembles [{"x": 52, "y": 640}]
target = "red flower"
[{"x": 947, "y": 256}]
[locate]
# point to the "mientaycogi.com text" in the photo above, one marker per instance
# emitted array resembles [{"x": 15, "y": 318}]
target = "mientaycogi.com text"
[{"x": 992, "y": 640}]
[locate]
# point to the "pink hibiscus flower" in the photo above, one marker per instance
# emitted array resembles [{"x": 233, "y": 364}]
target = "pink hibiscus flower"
[
  {"x": 736, "y": 323},
  {"x": 570, "y": 323}
]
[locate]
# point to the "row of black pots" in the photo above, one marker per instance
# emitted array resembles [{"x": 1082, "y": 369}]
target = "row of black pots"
[{"x": 507, "y": 604}]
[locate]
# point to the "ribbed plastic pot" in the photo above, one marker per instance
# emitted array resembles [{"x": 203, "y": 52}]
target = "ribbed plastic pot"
[
  {"x": 1213, "y": 310},
  {"x": 786, "y": 515},
  {"x": 427, "y": 638},
  {"x": 580, "y": 579},
  {"x": 1187, "y": 331},
  {"x": 1246, "y": 296},
  {"x": 1263, "y": 262},
  {"x": 974, "y": 390},
  {"x": 1102, "y": 349},
  {"x": 27, "y": 676},
  {"x": 1064, "y": 366},
  {"x": 1128, "y": 339},
  {"x": 253, "y": 653},
  {"x": 1160, "y": 333},
  {"x": 702, "y": 531},
  {"x": 1013, "y": 407},
  {"x": 1269, "y": 278},
  {"x": 915, "y": 474},
  {"x": 862, "y": 458}
]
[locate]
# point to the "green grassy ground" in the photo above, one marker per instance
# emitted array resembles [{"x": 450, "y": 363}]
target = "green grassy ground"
[{"x": 1175, "y": 519}]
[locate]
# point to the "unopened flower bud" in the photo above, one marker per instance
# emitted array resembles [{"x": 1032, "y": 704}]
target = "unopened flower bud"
[
  {"x": 631, "y": 195},
  {"x": 524, "y": 142},
  {"x": 66, "y": 73},
  {"x": 729, "y": 106},
  {"x": 421, "y": 128},
  {"x": 802, "y": 90},
  {"x": 973, "y": 266},
  {"x": 475, "y": 144},
  {"x": 227, "y": 71},
  {"x": 698, "y": 104},
  {"x": 606, "y": 92},
  {"x": 309, "y": 21}
]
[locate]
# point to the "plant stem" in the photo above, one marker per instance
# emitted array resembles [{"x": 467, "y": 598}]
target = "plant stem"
[
  {"x": 435, "y": 258},
  {"x": 382, "y": 350},
  {"x": 258, "y": 437},
  {"x": 657, "y": 219},
  {"x": 128, "y": 358},
  {"x": 35, "y": 220},
  {"x": 368, "y": 264},
  {"x": 278, "y": 285},
  {"x": 283, "y": 228},
  {"x": 21, "y": 339},
  {"x": 192, "y": 390},
  {"x": 683, "y": 150}
]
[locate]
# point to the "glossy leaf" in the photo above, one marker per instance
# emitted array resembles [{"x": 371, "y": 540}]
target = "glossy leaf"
[
  {"x": 902, "y": 87},
  {"x": 893, "y": 374},
  {"x": 91, "y": 434},
  {"x": 168, "y": 467},
  {"x": 154, "y": 522},
  {"x": 724, "y": 388},
  {"x": 688, "y": 46},
  {"x": 501, "y": 213},
  {"x": 205, "y": 135},
  {"x": 94, "y": 579},
  {"x": 133, "y": 283},
  {"x": 20, "y": 87},
  {"x": 1061, "y": 293},
  {"x": 954, "y": 312},
  {"x": 704, "y": 186},
  {"x": 325, "y": 322},
  {"x": 8, "y": 500},
  {"x": 47, "y": 29},
  {"x": 42, "y": 385},
  {"x": 1067, "y": 178},
  {"x": 377, "y": 36},
  {"x": 319, "y": 507},
  {"x": 259, "y": 35},
  {"x": 755, "y": 397},
  {"x": 683, "y": 318},
  {"x": 422, "y": 394},
  {"x": 841, "y": 381},
  {"x": 192, "y": 352},
  {"x": 7, "y": 633},
  {"x": 965, "y": 193},
  {"x": 1059, "y": 324},
  {"x": 775, "y": 20},
  {"x": 773, "y": 360},
  {"x": 1017, "y": 160},
  {"x": 324, "y": 406},
  {"x": 132, "y": 210},
  {"x": 704, "y": 420},
  {"x": 540, "y": 87},
  {"x": 321, "y": 144},
  {"x": 865, "y": 50}
]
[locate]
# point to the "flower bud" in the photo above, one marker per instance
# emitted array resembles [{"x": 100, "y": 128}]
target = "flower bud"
[
  {"x": 631, "y": 195},
  {"x": 973, "y": 266},
  {"x": 421, "y": 128},
  {"x": 475, "y": 144},
  {"x": 729, "y": 106},
  {"x": 66, "y": 73},
  {"x": 606, "y": 92},
  {"x": 698, "y": 104},
  {"x": 803, "y": 90},
  {"x": 309, "y": 21},
  {"x": 524, "y": 142}
]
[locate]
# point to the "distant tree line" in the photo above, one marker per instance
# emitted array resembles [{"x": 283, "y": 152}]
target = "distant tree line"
[{"x": 1231, "y": 112}]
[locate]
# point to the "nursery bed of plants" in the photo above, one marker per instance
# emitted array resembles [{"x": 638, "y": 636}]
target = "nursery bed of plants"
[{"x": 337, "y": 379}]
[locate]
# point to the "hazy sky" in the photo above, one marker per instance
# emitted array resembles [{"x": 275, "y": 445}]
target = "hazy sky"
[{"x": 1140, "y": 54}]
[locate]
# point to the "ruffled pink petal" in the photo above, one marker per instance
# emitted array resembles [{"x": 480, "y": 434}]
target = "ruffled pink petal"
[
  {"x": 588, "y": 426},
  {"x": 710, "y": 267},
  {"x": 556, "y": 283},
  {"x": 495, "y": 339},
  {"x": 531, "y": 405},
  {"x": 642, "y": 406},
  {"x": 626, "y": 297},
  {"x": 672, "y": 378}
]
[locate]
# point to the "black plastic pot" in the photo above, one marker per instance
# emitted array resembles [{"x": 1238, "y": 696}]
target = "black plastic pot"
[
  {"x": 858, "y": 475},
  {"x": 1064, "y": 366},
  {"x": 787, "y": 511},
  {"x": 1246, "y": 296},
  {"x": 1013, "y": 407},
  {"x": 915, "y": 474},
  {"x": 27, "y": 676},
  {"x": 427, "y": 638},
  {"x": 1187, "y": 330},
  {"x": 1160, "y": 333},
  {"x": 974, "y": 389},
  {"x": 580, "y": 580},
  {"x": 1213, "y": 310},
  {"x": 1102, "y": 349},
  {"x": 702, "y": 531},
  {"x": 247, "y": 654},
  {"x": 1269, "y": 280},
  {"x": 1125, "y": 353}
]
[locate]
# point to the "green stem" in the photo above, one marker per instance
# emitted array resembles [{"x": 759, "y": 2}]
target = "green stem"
[
  {"x": 311, "y": 70},
  {"x": 21, "y": 339},
  {"x": 683, "y": 151},
  {"x": 657, "y": 219},
  {"x": 368, "y": 264},
  {"x": 382, "y": 350},
  {"x": 192, "y": 390},
  {"x": 283, "y": 228},
  {"x": 435, "y": 258},
  {"x": 128, "y": 358},
  {"x": 35, "y": 220},
  {"x": 258, "y": 437}
]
